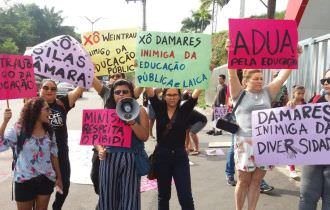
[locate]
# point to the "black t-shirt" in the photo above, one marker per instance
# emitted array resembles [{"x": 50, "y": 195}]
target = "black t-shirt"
[
  {"x": 195, "y": 117},
  {"x": 59, "y": 111},
  {"x": 175, "y": 138},
  {"x": 319, "y": 100}
]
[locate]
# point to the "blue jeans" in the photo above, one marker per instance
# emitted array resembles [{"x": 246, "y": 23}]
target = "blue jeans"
[
  {"x": 173, "y": 163},
  {"x": 230, "y": 164},
  {"x": 315, "y": 184}
]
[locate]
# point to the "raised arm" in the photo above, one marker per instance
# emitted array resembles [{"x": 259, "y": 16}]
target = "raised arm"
[
  {"x": 97, "y": 85},
  {"x": 150, "y": 91},
  {"x": 6, "y": 118},
  {"x": 74, "y": 95},
  {"x": 235, "y": 86},
  {"x": 138, "y": 91},
  {"x": 196, "y": 93},
  {"x": 275, "y": 86}
]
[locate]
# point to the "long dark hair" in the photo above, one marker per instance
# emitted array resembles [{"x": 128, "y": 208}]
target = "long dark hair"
[
  {"x": 164, "y": 95},
  {"x": 111, "y": 103},
  {"x": 30, "y": 114}
]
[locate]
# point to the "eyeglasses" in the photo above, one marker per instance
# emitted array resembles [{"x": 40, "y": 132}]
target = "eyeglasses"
[
  {"x": 172, "y": 95},
  {"x": 46, "y": 109},
  {"x": 325, "y": 80},
  {"x": 118, "y": 92},
  {"x": 46, "y": 88}
]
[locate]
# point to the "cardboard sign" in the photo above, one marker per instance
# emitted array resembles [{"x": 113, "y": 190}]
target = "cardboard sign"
[
  {"x": 16, "y": 77},
  {"x": 285, "y": 136},
  {"x": 63, "y": 59},
  {"x": 112, "y": 51},
  {"x": 103, "y": 127},
  {"x": 263, "y": 44},
  {"x": 173, "y": 60}
]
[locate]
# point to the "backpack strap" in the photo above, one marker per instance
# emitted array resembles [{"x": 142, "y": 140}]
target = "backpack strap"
[{"x": 316, "y": 98}]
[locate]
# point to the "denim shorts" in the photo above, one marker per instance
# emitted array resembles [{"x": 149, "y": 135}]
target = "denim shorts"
[{"x": 198, "y": 126}]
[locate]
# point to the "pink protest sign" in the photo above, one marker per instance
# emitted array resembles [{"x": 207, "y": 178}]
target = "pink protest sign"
[
  {"x": 64, "y": 59},
  {"x": 263, "y": 44},
  {"x": 285, "y": 136},
  {"x": 103, "y": 127},
  {"x": 16, "y": 77}
]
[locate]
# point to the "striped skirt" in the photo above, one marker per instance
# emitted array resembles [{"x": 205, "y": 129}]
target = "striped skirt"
[{"x": 119, "y": 183}]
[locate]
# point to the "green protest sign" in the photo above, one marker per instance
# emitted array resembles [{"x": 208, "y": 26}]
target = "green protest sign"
[{"x": 173, "y": 60}]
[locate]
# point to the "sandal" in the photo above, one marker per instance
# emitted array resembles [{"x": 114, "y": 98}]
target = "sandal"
[{"x": 195, "y": 152}]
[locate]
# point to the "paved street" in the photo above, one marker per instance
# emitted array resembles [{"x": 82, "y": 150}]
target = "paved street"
[{"x": 210, "y": 190}]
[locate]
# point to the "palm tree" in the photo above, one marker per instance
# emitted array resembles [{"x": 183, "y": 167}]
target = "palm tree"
[
  {"x": 215, "y": 5},
  {"x": 198, "y": 22}
]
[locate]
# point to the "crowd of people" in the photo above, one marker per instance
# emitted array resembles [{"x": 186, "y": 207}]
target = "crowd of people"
[{"x": 40, "y": 143}]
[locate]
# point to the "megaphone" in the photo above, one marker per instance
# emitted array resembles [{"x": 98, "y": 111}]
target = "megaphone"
[{"x": 128, "y": 109}]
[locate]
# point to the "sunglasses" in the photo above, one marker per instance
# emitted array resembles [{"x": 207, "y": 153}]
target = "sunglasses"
[
  {"x": 325, "y": 80},
  {"x": 46, "y": 88},
  {"x": 118, "y": 92}
]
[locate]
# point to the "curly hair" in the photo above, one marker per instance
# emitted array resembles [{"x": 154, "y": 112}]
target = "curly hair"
[
  {"x": 30, "y": 114},
  {"x": 111, "y": 103}
]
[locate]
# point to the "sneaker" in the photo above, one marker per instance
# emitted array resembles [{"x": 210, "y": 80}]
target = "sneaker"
[
  {"x": 217, "y": 133},
  {"x": 293, "y": 175},
  {"x": 210, "y": 132},
  {"x": 231, "y": 181},
  {"x": 264, "y": 187}
]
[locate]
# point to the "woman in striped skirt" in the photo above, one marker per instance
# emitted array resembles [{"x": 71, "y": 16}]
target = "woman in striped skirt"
[{"x": 119, "y": 182}]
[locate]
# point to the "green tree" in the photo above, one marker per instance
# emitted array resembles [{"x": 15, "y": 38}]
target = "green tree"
[
  {"x": 8, "y": 47},
  {"x": 198, "y": 21},
  {"x": 29, "y": 25}
]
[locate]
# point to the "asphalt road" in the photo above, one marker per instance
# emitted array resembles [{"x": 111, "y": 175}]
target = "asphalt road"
[{"x": 210, "y": 190}]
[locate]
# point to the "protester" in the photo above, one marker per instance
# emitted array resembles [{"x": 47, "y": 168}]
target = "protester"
[
  {"x": 221, "y": 98},
  {"x": 36, "y": 169},
  {"x": 230, "y": 162},
  {"x": 196, "y": 123},
  {"x": 256, "y": 97},
  {"x": 95, "y": 158},
  {"x": 170, "y": 154},
  {"x": 297, "y": 99},
  {"x": 58, "y": 116},
  {"x": 315, "y": 179},
  {"x": 119, "y": 182}
]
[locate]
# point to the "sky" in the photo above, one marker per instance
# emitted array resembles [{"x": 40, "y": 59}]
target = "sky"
[{"x": 161, "y": 15}]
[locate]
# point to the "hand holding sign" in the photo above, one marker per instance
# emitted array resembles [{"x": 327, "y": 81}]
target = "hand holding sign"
[
  {"x": 63, "y": 58},
  {"x": 103, "y": 127}
]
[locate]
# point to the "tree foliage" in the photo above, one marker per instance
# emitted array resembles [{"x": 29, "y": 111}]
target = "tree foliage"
[
  {"x": 198, "y": 21},
  {"x": 28, "y": 25}
]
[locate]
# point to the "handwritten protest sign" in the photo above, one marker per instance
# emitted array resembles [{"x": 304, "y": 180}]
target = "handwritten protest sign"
[
  {"x": 220, "y": 111},
  {"x": 103, "y": 127},
  {"x": 63, "y": 58},
  {"x": 263, "y": 44},
  {"x": 285, "y": 136},
  {"x": 173, "y": 60},
  {"x": 112, "y": 51},
  {"x": 16, "y": 77}
]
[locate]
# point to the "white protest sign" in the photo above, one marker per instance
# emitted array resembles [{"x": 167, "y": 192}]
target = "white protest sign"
[{"x": 64, "y": 59}]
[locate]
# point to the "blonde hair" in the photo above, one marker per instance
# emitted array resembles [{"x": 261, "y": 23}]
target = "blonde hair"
[{"x": 247, "y": 74}]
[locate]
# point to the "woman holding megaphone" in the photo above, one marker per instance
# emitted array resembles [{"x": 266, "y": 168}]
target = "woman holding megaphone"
[
  {"x": 119, "y": 181},
  {"x": 171, "y": 158}
]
